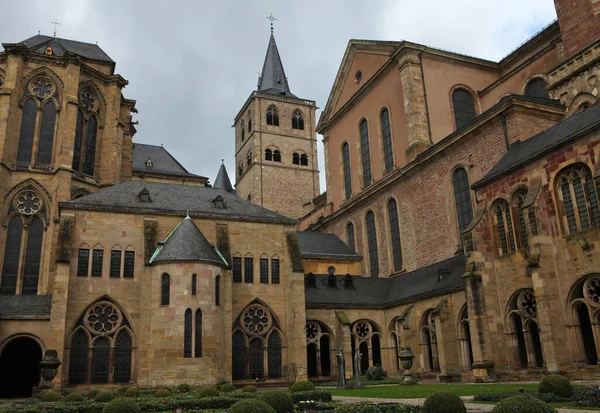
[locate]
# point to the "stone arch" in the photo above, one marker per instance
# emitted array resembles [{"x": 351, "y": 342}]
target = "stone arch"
[
  {"x": 580, "y": 102},
  {"x": 463, "y": 333},
  {"x": 428, "y": 342},
  {"x": 366, "y": 337},
  {"x": 522, "y": 329},
  {"x": 319, "y": 347},
  {"x": 583, "y": 317},
  {"x": 20, "y": 356}
]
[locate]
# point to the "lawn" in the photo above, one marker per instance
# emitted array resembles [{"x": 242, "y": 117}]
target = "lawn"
[{"x": 423, "y": 390}]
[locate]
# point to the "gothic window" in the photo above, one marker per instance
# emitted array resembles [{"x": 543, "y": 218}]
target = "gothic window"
[
  {"x": 194, "y": 284},
  {"x": 464, "y": 341},
  {"x": 365, "y": 336},
  {"x": 101, "y": 360},
  {"x": 318, "y": 345},
  {"x": 272, "y": 116},
  {"x": 464, "y": 107},
  {"x": 523, "y": 330},
  {"x": 237, "y": 270},
  {"x": 347, "y": 175},
  {"x": 115, "y": 264},
  {"x": 386, "y": 133},
  {"x": 198, "y": 334},
  {"x": 243, "y": 130},
  {"x": 97, "y": 256},
  {"x": 257, "y": 359},
  {"x": 350, "y": 236},
  {"x": 83, "y": 262},
  {"x": 275, "y": 271},
  {"x": 297, "y": 120},
  {"x": 276, "y": 156},
  {"x": 365, "y": 152},
  {"x": 122, "y": 364},
  {"x": 78, "y": 358},
  {"x": 249, "y": 158},
  {"x": 578, "y": 199},
  {"x": 537, "y": 88},
  {"x": 165, "y": 289},
  {"x": 429, "y": 342},
  {"x": 372, "y": 244},
  {"x": 503, "y": 227},
  {"x": 218, "y": 290},
  {"x": 248, "y": 270},
  {"x": 274, "y": 355},
  {"x": 395, "y": 234},
  {"x": 521, "y": 227},
  {"x": 187, "y": 334},
  {"x": 462, "y": 198},
  {"x": 296, "y": 159},
  {"x": 239, "y": 356},
  {"x": 264, "y": 270},
  {"x": 26, "y": 136},
  {"x": 583, "y": 320},
  {"x": 86, "y": 130},
  {"x": 241, "y": 168},
  {"x": 304, "y": 159},
  {"x": 249, "y": 121},
  {"x": 268, "y": 155},
  {"x": 12, "y": 252},
  {"x": 129, "y": 264},
  {"x": 44, "y": 155}
]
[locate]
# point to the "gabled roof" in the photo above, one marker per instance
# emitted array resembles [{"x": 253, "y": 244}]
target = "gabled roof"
[
  {"x": 222, "y": 180},
  {"x": 38, "y": 44},
  {"x": 521, "y": 153},
  {"x": 272, "y": 79},
  {"x": 162, "y": 161},
  {"x": 187, "y": 243},
  {"x": 440, "y": 278},
  {"x": 324, "y": 245}
]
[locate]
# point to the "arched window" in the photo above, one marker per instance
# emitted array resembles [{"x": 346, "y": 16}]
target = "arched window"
[
  {"x": 122, "y": 363},
  {"x": 243, "y": 130},
  {"x": 297, "y": 120},
  {"x": 318, "y": 348},
  {"x": 583, "y": 319},
  {"x": 578, "y": 199},
  {"x": 194, "y": 281},
  {"x": 386, "y": 134},
  {"x": 350, "y": 236},
  {"x": 44, "y": 155},
  {"x": 462, "y": 198},
  {"x": 276, "y": 156},
  {"x": 304, "y": 159},
  {"x": 523, "y": 330},
  {"x": 503, "y": 227},
  {"x": 464, "y": 341},
  {"x": 249, "y": 122},
  {"x": 101, "y": 360},
  {"x": 27, "y": 134},
  {"x": 86, "y": 130},
  {"x": 395, "y": 234},
  {"x": 268, "y": 155},
  {"x": 33, "y": 254},
  {"x": 198, "y": 334},
  {"x": 521, "y": 227},
  {"x": 537, "y": 88},
  {"x": 372, "y": 244},
  {"x": 257, "y": 359},
  {"x": 272, "y": 116},
  {"x": 274, "y": 355},
  {"x": 239, "y": 356},
  {"x": 296, "y": 158},
  {"x": 187, "y": 334},
  {"x": 429, "y": 342},
  {"x": 365, "y": 152},
  {"x": 249, "y": 158},
  {"x": 78, "y": 358},
  {"x": 165, "y": 289},
  {"x": 464, "y": 107},
  {"x": 218, "y": 290},
  {"x": 12, "y": 251},
  {"x": 365, "y": 336},
  {"x": 347, "y": 175},
  {"x": 241, "y": 168}
]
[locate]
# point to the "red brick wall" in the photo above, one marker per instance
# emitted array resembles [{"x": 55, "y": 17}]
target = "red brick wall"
[{"x": 579, "y": 25}]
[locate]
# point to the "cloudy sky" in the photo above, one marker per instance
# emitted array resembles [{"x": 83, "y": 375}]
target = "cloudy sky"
[{"x": 192, "y": 64}]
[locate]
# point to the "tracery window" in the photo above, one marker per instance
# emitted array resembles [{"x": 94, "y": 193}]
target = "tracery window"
[
  {"x": 187, "y": 334},
  {"x": 86, "y": 131},
  {"x": 40, "y": 107},
  {"x": 386, "y": 134},
  {"x": 105, "y": 326},
  {"x": 578, "y": 199},
  {"x": 318, "y": 349},
  {"x": 584, "y": 318},
  {"x": 365, "y": 152},
  {"x": 523, "y": 331},
  {"x": 272, "y": 116},
  {"x": 462, "y": 198},
  {"x": 165, "y": 289},
  {"x": 297, "y": 120},
  {"x": 429, "y": 342},
  {"x": 350, "y": 236},
  {"x": 372, "y": 244},
  {"x": 464, "y": 107},
  {"x": 503, "y": 227},
  {"x": 347, "y": 174},
  {"x": 366, "y": 338},
  {"x": 537, "y": 88},
  {"x": 395, "y": 234},
  {"x": 25, "y": 230}
]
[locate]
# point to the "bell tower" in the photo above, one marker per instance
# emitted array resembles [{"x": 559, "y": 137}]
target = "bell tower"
[{"x": 276, "y": 143}]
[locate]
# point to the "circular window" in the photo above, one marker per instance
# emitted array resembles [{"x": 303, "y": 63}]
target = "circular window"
[
  {"x": 28, "y": 203},
  {"x": 591, "y": 291},
  {"x": 358, "y": 76},
  {"x": 312, "y": 330},
  {"x": 256, "y": 320},
  {"x": 526, "y": 304},
  {"x": 42, "y": 88},
  {"x": 103, "y": 318}
]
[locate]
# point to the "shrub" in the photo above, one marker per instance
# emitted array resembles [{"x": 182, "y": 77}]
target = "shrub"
[
  {"x": 162, "y": 392},
  {"x": 93, "y": 393},
  {"x": 523, "y": 404},
  {"x": 251, "y": 406},
  {"x": 278, "y": 400},
  {"x": 208, "y": 391},
  {"x": 227, "y": 388},
  {"x": 302, "y": 386},
  {"x": 184, "y": 388},
  {"x": 368, "y": 407},
  {"x": 443, "y": 402},
  {"x": 123, "y": 389},
  {"x": 74, "y": 397},
  {"x": 376, "y": 373},
  {"x": 122, "y": 405},
  {"x": 105, "y": 396},
  {"x": 314, "y": 395},
  {"x": 42, "y": 393},
  {"x": 49, "y": 396},
  {"x": 556, "y": 384},
  {"x": 132, "y": 392},
  {"x": 249, "y": 389}
]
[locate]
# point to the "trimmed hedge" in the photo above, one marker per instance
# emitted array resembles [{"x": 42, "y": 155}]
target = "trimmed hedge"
[
  {"x": 227, "y": 388},
  {"x": 122, "y": 405},
  {"x": 105, "y": 396},
  {"x": 279, "y": 400},
  {"x": 208, "y": 391},
  {"x": 132, "y": 392},
  {"x": 123, "y": 389},
  {"x": 251, "y": 406},
  {"x": 523, "y": 404},
  {"x": 93, "y": 393},
  {"x": 249, "y": 389},
  {"x": 184, "y": 388},
  {"x": 376, "y": 373},
  {"x": 74, "y": 397},
  {"x": 302, "y": 386},
  {"x": 369, "y": 407},
  {"x": 49, "y": 396},
  {"x": 443, "y": 402},
  {"x": 556, "y": 384},
  {"x": 314, "y": 395},
  {"x": 162, "y": 393}
]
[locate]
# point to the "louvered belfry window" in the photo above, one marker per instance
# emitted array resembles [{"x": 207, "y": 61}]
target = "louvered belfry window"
[
  {"x": 395, "y": 234},
  {"x": 297, "y": 120},
  {"x": 579, "y": 203},
  {"x": 272, "y": 116},
  {"x": 347, "y": 173},
  {"x": 372, "y": 243},
  {"x": 365, "y": 153},
  {"x": 386, "y": 134},
  {"x": 464, "y": 108}
]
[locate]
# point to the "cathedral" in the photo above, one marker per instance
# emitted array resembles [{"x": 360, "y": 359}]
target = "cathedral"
[{"x": 460, "y": 219}]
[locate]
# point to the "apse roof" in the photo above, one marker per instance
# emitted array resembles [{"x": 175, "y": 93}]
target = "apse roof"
[{"x": 38, "y": 44}]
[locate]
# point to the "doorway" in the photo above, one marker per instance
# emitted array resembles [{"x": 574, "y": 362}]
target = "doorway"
[{"x": 20, "y": 367}]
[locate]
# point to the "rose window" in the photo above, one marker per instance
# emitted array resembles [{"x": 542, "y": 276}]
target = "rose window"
[
  {"x": 88, "y": 101},
  {"x": 591, "y": 291},
  {"x": 28, "y": 203},
  {"x": 312, "y": 330},
  {"x": 526, "y": 304},
  {"x": 42, "y": 88},
  {"x": 103, "y": 318},
  {"x": 362, "y": 329},
  {"x": 256, "y": 320}
]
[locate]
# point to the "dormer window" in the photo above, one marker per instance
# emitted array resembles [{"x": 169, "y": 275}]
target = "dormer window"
[
  {"x": 310, "y": 280},
  {"x": 219, "y": 202},
  {"x": 331, "y": 281},
  {"x": 144, "y": 196},
  {"x": 348, "y": 282},
  {"x": 49, "y": 51},
  {"x": 149, "y": 163},
  {"x": 443, "y": 273}
]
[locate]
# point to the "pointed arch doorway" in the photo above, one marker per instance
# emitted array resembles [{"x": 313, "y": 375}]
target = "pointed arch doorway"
[{"x": 21, "y": 357}]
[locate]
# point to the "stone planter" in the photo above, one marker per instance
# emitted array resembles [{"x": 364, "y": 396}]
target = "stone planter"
[
  {"x": 407, "y": 357},
  {"x": 49, "y": 365}
]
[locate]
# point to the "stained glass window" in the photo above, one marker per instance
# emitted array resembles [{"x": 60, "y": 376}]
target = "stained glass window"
[
  {"x": 12, "y": 252},
  {"x": 27, "y": 134},
  {"x": 78, "y": 358},
  {"x": 257, "y": 359},
  {"x": 237, "y": 270},
  {"x": 97, "y": 256},
  {"x": 44, "y": 155},
  {"x": 115, "y": 264},
  {"x": 198, "y": 334},
  {"x": 274, "y": 356},
  {"x": 83, "y": 262},
  {"x": 275, "y": 271},
  {"x": 395, "y": 234},
  {"x": 347, "y": 175},
  {"x": 122, "y": 358},
  {"x": 78, "y": 141},
  {"x": 129, "y": 264},
  {"x": 89, "y": 158},
  {"x": 464, "y": 107},
  {"x": 386, "y": 133},
  {"x": 365, "y": 152},
  {"x": 372, "y": 242},
  {"x": 239, "y": 356},
  {"x": 101, "y": 360},
  {"x": 248, "y": 270},
  {"x": 165, "y": 291},
  {"x": 264, "y": 270},
  {"x": 187, "y": 334}
]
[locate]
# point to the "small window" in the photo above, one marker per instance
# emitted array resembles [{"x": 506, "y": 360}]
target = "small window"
[
  {"x": 264, "y": 270},
  {"x": 348, "y": 282},
  {"x": 83, "y": 262},
  {"x": 165, "y": 289},
  {"x": 297, "y": 120},
  {"x": 248, "y": 270},
  {"x": 304, "y": 160},
  {"x": 187, "y": 334},
  {"x": 296, "y": 159},
  {"x": 198, "y": 334},
  {"x": 537, "y": 88},
  {"x": 331, "y": 281},
  {"x": 249, "y": 122},
  {"x": 274, "y": 271},
  {"x": 115, "y": 264},
  {"x": 358, "y": 76},
  {"x": 268, "y": 155},
  {"x": 237, "y": 270},
  {"x": 241, "y": 168},
  {"x": 276, "y": 156},
  {"x": 464, "y": 107},
  {"x": 310, "y": 280},
  {"x": 272, "y": 116},
  {"x": 144, "y": 196},
  {"x": 149, "y": 163},
  {"x": 193, "y": 284},
  {"x": 243, "y": 133},
  {"x": 97, "y": 263},
  {"x": 129, "y": 264},
  {"x": 218, "y": 290},
  {"x": 243, "y": 129}
]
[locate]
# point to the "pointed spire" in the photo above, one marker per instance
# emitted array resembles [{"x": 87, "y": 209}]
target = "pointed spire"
[
  {"x": 273, "y": 79},
  {"x": 222, "y": 180}
]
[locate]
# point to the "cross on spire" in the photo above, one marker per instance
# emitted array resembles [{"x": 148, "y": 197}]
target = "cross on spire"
[
  {"x": 55, "y": 23},
  {"x": 271, "y": 17}
]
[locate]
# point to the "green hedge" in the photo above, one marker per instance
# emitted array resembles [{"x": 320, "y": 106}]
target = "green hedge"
[
  {"x": 208, "y": 391},
  {"x": 302, "y": 385},
  {"x": 122, "y": 405},
  {"x": 368, "y": 407},
  {"x": 523, "y": 404},
  {"x": 49, "y": 396},
  {"x": 556, "y": 384},
  {"x": 74, "y": 397},
  {"x": 249, "y": 389},
  {"x": 279, "y": 400},
  {"x": 444, "y": 402},
  {"x": 227, "y": 388},
  {"x": 184, "y": 388},
  {"x": 314, "y": 395},
  {"x": 105, "y": 396},
  {"x": 251, "y": 406}
]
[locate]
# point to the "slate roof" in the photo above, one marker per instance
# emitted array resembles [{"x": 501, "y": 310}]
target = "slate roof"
[
  {"x": 272, "y": 78},
  {"x": 174, "y": 199},
  {"x": 187, "y": 243},
  {"x": 162, "y": 161},
  {"x": 25, "y": 307},
  {"x": 436, "y": 279},
  {"x": 523, "y": 152},
  {"x": 38, "y": 44},
  {"x": 323, "y": 245},
  {"x": 222, "y": 180}
]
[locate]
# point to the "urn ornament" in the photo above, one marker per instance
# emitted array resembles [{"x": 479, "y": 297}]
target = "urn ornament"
[
  {"x": 49, "y": 365},
  {"x": 406, "y": 357}
]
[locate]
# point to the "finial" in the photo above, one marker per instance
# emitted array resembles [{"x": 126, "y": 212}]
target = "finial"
[
  {"x": 187, "y": 214},
  {"x": 55, "y": 23},
  {"x": 222, "y": 161},
  {"x": 271, "y": 18}
]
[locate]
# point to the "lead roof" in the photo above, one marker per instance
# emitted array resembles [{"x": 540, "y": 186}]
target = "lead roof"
[
  {"x": 222, "y": 180},
  {"x": 162, "y": 161},
  {"x": 272, "y": 78},
  {"x": 324, "y": 245},
  {"x": 40, "y": 42}
]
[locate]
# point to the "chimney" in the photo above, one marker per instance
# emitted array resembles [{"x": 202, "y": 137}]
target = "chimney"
[{"x": 579, "y": 22}]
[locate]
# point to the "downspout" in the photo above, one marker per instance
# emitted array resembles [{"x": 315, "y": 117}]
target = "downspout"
[
  {"x": 505, "y": 129},
  {"x": 425, "y": 97}
]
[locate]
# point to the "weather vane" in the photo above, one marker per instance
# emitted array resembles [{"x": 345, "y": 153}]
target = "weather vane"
[
  {"x": 271, "y": 18},
  {"x": 55, "y": 23}
]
